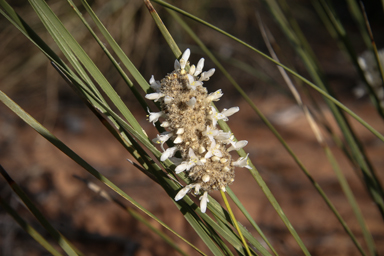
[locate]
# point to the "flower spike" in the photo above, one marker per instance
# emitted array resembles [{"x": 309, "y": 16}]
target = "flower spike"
[{"x": 191, "y": 124}]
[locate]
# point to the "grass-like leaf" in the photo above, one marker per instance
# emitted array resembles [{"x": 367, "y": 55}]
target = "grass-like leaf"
[
  {"x": 242, "y": 153},
  {"x": 79, "y": 57},
  {"x": 301, "y": 47},
  {"x": 66, "y": 150},
  {"x": 28, "y": 228},
  {"x": 306, "y": 81},
  {"x": 60, "y": 239}
]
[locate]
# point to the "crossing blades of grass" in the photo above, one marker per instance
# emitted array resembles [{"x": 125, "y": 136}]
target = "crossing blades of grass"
[
  {"x": 27, "y": 228},
  {"x": 60, "y": 239}
]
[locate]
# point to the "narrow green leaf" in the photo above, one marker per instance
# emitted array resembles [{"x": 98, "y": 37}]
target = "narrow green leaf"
[
  {"x": 99, "y": 191},
  {"x": 60, "y": 145},
  {"x": 60, "y": 239},
  {"x": 352, "y": 201},
  {"x": 163, "y": 29},
  {"x": 27, "y": 228},
  {"x": 119, "y": 52},
  {"x": 347, "y": 45},
  {"x": 319, "y": 137},
  {"x": 61, "y": 36},
  {"x": 250, "y": 219},
  {"x": 301, "y": 46},
  {"x": 226, "y": 128},
  {"x": 234, "y": 221},
  {"x": 312, "y": 85}
]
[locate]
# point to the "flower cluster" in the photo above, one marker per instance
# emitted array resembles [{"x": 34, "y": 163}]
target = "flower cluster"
[
  {"x": 190, "y": 120},
  {"x": 368, "y": 64}
]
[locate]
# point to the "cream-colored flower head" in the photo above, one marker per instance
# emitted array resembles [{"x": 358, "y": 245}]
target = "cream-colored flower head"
[{"x": 191, "y": 122}]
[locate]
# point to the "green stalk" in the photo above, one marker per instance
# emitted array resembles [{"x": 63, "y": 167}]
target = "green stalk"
[{"x": 234, "y": 221}]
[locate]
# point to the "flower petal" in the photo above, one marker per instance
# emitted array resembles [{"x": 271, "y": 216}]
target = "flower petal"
[
  {"x": 182, "y": 193},
  {"x": 162, "y": 138},
  {"x": 154, "y": 96},
  {"x": 199, "y": 68},
  {"x": 237, "y": 145},
  {"x": 242, "y": 162},
  {"x": 231, "y": 111},
  {"x": 182, "y": 167},
  {"x": 223, "y": 136},
  {"x": 215, "y": 96},
  {"x": 170, "y": 152},
  {"x": 192, "y": 70},
  {"x": 154, "y": 116},
  {"x": 184, "y": 58},
  {"x": 155, "y": 85},
  {"x": 206, "y": 75},
  {"x": 203, "y": 203}
]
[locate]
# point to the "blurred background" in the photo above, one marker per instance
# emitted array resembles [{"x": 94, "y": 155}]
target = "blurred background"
[{"x": 99, "y": 227}]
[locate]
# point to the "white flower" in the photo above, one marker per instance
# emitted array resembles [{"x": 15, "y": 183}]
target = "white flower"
[
  {"x": 242, "y": 162},
  {"x": 183, "y": 192},
  {"x": 187, "y": 165},
  {"x": 199, "y": 68},
  {"x": 213, "y": 151},
  {"x": 155, "y": 96},
  {"x": 184, "y": 58},
  {"x": 237, "y": 145},
  {"x": 197, "y": 188},
  {"x": 155, "y": 85},
  {"x": 215, "y": 116},
  {"x": 231, "y": 111},
  {"x": 192, "y": 70},
  {"x": 186, "y": 189},
  {"x": 224, "y": 137},
  {"x": 154, "y": 116},
  {"x": 184, "y": 166},
  {"x": 206, "y": 75},
  {"x": 190, "y": 79},
  {"x": 192, "y": 83},
  {"x": 210, "y": 133},
  {"x": 162, "y": 138},
  {"x": 215, "y": 96},
  {"x": 170, "y": 152},
  {"x": 204, "y": 200}
]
